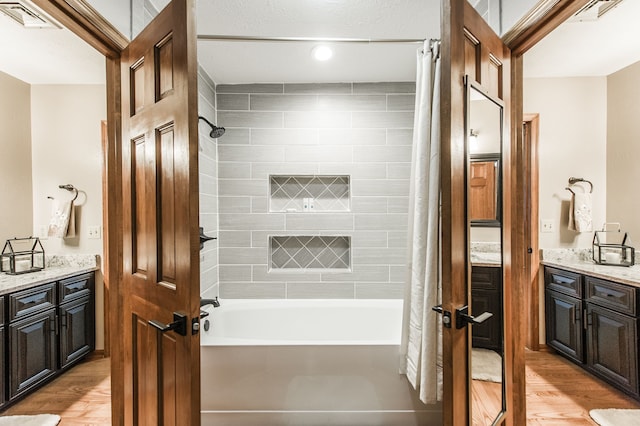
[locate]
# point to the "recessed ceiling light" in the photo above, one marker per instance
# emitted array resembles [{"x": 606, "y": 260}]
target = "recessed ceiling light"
[{"x": 322, "y": 53}]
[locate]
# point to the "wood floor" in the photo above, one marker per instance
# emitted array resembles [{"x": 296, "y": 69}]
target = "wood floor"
[
  {"x": 558, "y": 394},
  {"x": 81, "y": 396}
]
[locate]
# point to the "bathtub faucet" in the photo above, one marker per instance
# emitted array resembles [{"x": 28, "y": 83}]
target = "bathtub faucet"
[{"x": 215, "y": 302}]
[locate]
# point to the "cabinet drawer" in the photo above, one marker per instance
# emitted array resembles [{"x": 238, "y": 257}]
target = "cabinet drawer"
[
  {"x": 74, "y": 287},
  {"x": 563, "y": 281},
  {"x": 618, "y": 297},
  {"x": 26, "y": 302},
  {"x": 486, "y": 277}
]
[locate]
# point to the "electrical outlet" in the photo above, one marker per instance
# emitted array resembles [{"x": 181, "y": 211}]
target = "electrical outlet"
[
  {"x": 43, "y": 232},
  {"x": 95, "y": 232},
  {"x": 547, "y": 226}
]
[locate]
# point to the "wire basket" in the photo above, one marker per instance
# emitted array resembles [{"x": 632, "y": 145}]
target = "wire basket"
[
  {"x": 610, "y": 247},
  {"x": 22, "y": 255}
]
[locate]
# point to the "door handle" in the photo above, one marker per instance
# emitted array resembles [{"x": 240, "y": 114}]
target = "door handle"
[
  {"x": 446, "y": 315},
  {"x": 179, "y": 324},
  {"x": 463, "y": 318}
]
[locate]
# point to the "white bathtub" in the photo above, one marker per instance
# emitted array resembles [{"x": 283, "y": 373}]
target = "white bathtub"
[{"x": 307, "y": 362}]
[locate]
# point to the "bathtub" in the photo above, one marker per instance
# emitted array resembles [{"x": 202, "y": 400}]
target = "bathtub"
[{"x": 307, "y": 362}]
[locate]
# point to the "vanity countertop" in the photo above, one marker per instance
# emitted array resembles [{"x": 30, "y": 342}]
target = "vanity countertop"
[
  {"x": 580, "y": 261},
  {"x": 56, "y": 268},
  {"x": 486, "y": 254},
  {"x": 486, "y": 259}
]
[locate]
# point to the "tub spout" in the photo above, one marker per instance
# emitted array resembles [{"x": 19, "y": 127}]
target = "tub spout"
[{"x": 215, "y": 302}]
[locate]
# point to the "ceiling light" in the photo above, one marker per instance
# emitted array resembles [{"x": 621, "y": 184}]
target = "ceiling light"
[{"x": 322, "y": 53}]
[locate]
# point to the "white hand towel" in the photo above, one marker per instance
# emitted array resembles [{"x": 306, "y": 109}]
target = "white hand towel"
[
  {"x": 580, "y": 208},
  {"x": 61, "y": 213}
]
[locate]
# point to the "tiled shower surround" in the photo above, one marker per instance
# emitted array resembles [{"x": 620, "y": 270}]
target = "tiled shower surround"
[
  {"x": 207, "y": 168},
  {"x": 358, "y": 132}
]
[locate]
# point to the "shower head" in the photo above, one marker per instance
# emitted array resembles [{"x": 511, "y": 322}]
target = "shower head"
[{"x": 216, "y": 131}]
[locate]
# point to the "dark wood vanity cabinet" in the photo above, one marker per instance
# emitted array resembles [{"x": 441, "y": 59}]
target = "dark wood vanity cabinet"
[
  {"x": 49, "y": 327},
  {"x": 594, "y": 322},
  {"x": 486, "y": 296},
  {"x": 2, "y": 354},
  {"x": 76, "y": 318}
]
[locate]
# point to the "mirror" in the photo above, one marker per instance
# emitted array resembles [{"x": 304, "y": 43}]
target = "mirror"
[
  {"x": 484, "y": 189},
  {"x": 484, "y": 130}
]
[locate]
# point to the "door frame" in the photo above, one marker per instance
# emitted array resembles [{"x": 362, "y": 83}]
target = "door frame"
[
  {"x": 82, "y": 19},
  {"x": 528, "y": 167},
  {"x": 532, "y": 28}
]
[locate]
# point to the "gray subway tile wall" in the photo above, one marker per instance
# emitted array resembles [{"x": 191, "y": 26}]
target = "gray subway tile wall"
[
  {"x": 363, "y": 130},
  {"x": 208, "y": 184}
]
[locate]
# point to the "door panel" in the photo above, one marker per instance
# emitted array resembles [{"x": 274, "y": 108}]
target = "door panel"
[
  {"x": 469, "y": 47},
  {"x": 160, "y": 221}
]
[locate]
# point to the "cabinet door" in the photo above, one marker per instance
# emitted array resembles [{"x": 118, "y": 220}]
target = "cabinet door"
[
  {"x": 612, "y": 347},
  {"x": 564, "y": 324},
  {"x": 3, "y": 371},
  {"x": 76, "y": 330},
  {"x": 486, "y": 296},
  {"x": 32, "y": 349}
]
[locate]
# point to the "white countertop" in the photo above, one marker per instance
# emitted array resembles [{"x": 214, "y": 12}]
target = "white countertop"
[
  {"x": 57, "y": 267},
  {"x": 486, "y": 254},
  {"x": 580, "y": 261},
  {"x": 486, "y": 259}
]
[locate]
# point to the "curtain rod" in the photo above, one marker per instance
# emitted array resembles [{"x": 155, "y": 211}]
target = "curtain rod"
[{"x": 211, "y": 37}]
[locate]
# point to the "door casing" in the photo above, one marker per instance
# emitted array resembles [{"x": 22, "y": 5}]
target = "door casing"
[{"x": 80, "y": 18}]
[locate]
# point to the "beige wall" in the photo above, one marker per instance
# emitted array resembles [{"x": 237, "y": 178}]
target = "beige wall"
[
  {"x": 16, "y": 219},
  {"x": 623, "y": 150},
  {"x": 66, "y": 141},
  {"x": 573, "y": 142}
]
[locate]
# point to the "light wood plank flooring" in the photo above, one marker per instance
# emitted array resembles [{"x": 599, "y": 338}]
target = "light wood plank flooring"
[
  {"x": 81, "y": 396},
  {"x": 558, "y": 394}
]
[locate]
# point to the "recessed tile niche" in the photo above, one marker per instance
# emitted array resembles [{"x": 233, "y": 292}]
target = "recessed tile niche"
[
  {"x": 310, "y": 252},
  {"x": 310, "y": 193}
]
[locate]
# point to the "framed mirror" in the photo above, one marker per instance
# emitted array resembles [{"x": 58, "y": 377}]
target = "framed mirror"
[
  {"x": 485, "y": 190},
  {"x": 484, "y": 127}
]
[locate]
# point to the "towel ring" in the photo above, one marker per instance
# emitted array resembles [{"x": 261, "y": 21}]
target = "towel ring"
[
  {"x": 70, "y": 188},
  {"x": 574, "y": 180},
  {"x": 570, "y": 190}
]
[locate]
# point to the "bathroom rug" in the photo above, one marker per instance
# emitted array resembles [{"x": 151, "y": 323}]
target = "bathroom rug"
[
  {"x": 36, "y": 420},
  {"x": 616, "y": 417},
  {"x": 486, "y": 365}
]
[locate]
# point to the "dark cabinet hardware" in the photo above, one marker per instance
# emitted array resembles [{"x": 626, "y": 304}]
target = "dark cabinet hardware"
[
  {"x": 179, "y": 324},
  {"x": 463, "y": 318}
]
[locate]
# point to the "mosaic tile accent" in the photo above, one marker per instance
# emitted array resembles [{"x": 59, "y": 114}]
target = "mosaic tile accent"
[
  {"x": 310, "y": 252},
  {"x": 309, "y": 193}
]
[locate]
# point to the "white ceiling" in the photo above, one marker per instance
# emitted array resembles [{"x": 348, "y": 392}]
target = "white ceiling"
[
  {"x": 48, "y": 56},
  {"x": 267, "y": 62},
  {"x": 589, "y": 49},
  {"x": 574, "y": 49}
]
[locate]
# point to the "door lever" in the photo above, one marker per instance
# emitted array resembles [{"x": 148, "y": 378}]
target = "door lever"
[
  {"x": 463, "y": 318},
  {"x": 446, "y": 315},
  {"x": 179, "y": 324}
]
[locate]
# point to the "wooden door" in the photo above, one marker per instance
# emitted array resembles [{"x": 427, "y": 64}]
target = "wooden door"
[
  {"x": 470, "y": 47},
  {"x": 482, "y": 187},
  {"x": 160, "y": 221}
]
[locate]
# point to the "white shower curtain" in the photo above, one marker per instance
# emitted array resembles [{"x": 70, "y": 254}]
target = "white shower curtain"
[{"x": 421, "y": 352}]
